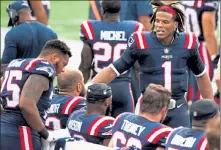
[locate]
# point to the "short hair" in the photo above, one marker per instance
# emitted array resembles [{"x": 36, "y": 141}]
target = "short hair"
[
  {"x": 180, "y": 17},
  {"x": 155, "y": 98},
  {"x": 111, "y": 6},
  {"x": 56, "y": 46},
  {"x": 213, "y": 133}
]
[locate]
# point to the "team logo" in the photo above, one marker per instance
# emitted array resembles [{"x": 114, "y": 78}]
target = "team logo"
[
  {"x": 130, "y": 41},
  {"x": 166, "y": 50}
]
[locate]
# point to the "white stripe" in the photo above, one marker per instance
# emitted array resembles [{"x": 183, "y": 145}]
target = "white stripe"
[
  {"x": 25, "y": 132},
  {"x": 205, "y": 56},
  {"x": 86, "y": 26},
  {"x": 170, "y": 148},
  {"x": 140, "y": 40},
  {"x": 157, "y": 133},
  {"x": 137, "y": 108},
  {"x": 92, "y": 132},
  {"x": 201, "y": 74},
  {"x": 204, "y": 144},
  {"x": 140, "y": 27},
  {"x": 30, "y": 64},
  {"x": 115, "y": 70},
  {"x": 70, "y": 103},
  {"x": 199, "y": 3},
  {"x": 190, "y": 40}
]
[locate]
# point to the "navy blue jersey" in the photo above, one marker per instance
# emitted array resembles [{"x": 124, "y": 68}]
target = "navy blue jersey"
[
  {"x": 15, "y": 77},
  {"x": 162, "y": 64},
  {"x": 26, "y": 41},
  {"x": 107, "y": 40},
  {"x": 194, "y": 11},
  {"x": 131, "y": 10},
  {"x": 60, "y": 110},
  {"x": 133, "y": 130},
  {"x": 92, "y": 128},
  {"x": 186, "y": 139}
]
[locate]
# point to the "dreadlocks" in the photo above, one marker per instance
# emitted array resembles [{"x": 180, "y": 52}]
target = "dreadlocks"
[{"x": 179, "y": 15}]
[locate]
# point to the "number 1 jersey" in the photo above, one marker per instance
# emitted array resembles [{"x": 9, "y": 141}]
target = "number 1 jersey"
[{"x": 108, "y": 40}]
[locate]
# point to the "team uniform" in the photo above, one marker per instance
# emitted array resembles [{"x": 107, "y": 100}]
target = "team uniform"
[
  {"x": 26, "y": 40},
  {"x": 164, "y": 65},
  {"x": 108, "y": 41},
  {"x": 92, "y": 128},
  {"x": 60, "y": 110},
  {"x": 13, "y": 125},
  {"x": 186, "y": 139},
  {"x": 133, "y": 130},
  {"x": 194, "y": 11}
]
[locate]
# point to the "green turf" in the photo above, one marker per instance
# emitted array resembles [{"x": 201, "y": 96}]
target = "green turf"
[{"x": 65, "y": 17}]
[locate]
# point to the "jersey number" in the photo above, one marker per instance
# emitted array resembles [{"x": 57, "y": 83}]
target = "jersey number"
[
  {"x": 10, "y": 85},
  {"x": 55, "y": 122},
  {"x": 109, "y": 53},
  {"x": 119, "y": 138},
  {"x": 167, "y": 74}
]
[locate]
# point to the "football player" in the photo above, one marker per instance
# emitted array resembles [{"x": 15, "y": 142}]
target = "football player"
[
  {"x": 194, "y": 138},
  {"x": 146, "y": 129},
  {"x": 27, "y": 37},
  {"x": 92, "y": 125},
  {"x": 165, "y": 54},
  {"x": 201, "y": 18},
  {"x": 68, "y": 100},
  {"x": 104, "y": 42},
  {"x": 26, "y": 93}
]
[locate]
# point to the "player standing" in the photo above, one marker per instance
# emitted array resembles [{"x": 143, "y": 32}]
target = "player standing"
[
  {"x": 104, "y": 42},
  {"x": 202, "y": 17},
  {"x": 165, "y": 54},
  {"x": 26, "y": 93}
]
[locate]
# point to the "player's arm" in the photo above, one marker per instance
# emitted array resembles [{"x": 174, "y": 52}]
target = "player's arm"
[
  {"x": 111, "y": 144},
  {"x": 144, "y": 11},
  {"x": 30, "y": 95},
  {"x": 136, "y": 70},
  {"x": 217, "y": 76},
  {"x": 39, "y": 11},
  {"x": 199, "y": 70},
  {"x": 86, "y": 61},
  {"x": 209, "y": 26},
  {"x": 10, "y": 49},
  {"x": 125, "y": 62}
]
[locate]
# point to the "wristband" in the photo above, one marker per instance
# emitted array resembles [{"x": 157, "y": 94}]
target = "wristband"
[{"x": 44, "y": 133}]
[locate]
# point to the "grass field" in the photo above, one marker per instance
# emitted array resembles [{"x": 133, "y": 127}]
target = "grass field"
[{"x": 65, "y": 17}]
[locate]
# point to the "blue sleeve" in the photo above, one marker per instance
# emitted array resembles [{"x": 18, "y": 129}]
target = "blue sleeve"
[
  {"x": 210, "y": 5},
  {"x": 144, "y": 8},
  {"x": 10, "y": 50},
  {"x": 129, "y": 56}
]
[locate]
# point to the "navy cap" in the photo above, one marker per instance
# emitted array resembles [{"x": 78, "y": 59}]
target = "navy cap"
[
  {"x": 203, "y": 109},
  {"x": 16, "y": 6},
  {"x": 98, "y": 92}
]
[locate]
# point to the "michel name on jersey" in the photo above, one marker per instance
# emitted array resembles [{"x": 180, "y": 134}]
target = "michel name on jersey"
[
  {"x": 113, "y": 35},
  {"x": 132, "y": 128}
]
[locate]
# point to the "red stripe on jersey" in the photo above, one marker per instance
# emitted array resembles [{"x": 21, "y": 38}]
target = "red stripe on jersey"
[
  {"x": 101, "y": 125},
  {"x": 91, "y": 29},
  {"x": 31, "y": 64},
  {"x": 92, "y": 124},
  {"x": 144, "y": 41},
  {"x": 153, "y": 136},
  {"x": 84, "y": 30},
  {"x": 199, "y": 147},
  {"x": 194, "y": 41},
  {"x": 22, "y": 138},
  {"x": 25, "y": 138},
  {"x": 70, "y": 104},
  {"x": 187, "y": 40},
  {"x": 29, "y": 139},
  {"x": 137, "y": 27},
  {"x": 137, "y": 41}
]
